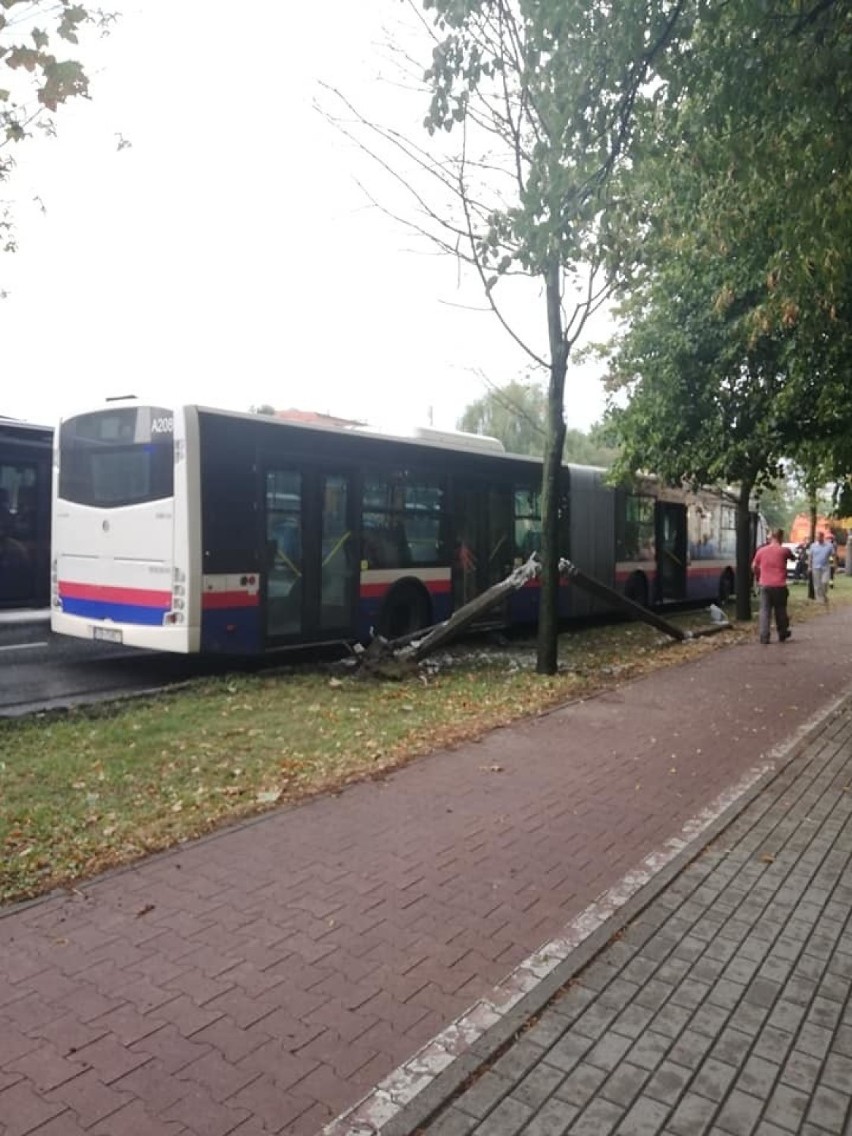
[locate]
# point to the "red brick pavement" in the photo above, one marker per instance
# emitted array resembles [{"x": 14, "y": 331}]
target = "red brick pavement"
[{"x": 264, "y": 979}]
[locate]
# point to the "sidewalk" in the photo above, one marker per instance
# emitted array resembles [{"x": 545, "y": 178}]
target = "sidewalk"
[
  {"x": 267, "y": 978},
  {"x": 723, "y": 1007}
]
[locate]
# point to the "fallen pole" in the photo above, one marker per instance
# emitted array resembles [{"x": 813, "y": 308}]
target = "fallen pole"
[
  {"x": 416, "y": 645},
  {"x": 468, "y": 614},
  {"x": 634, "y": 610}
]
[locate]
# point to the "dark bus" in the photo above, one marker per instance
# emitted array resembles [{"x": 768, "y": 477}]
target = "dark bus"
[
  {"x": 192, "y": 529},
  {"x": 25, "y": 472}
]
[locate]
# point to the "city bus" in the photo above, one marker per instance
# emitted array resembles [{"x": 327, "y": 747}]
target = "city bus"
[
  {"x": 193, "y": 529},
  {"x": 25, "y": 478}
]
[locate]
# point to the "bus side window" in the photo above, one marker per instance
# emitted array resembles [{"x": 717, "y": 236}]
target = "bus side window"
[{"x": 527, "y": 522}]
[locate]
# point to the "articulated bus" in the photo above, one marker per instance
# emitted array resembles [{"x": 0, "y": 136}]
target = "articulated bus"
[
  {"x": 192, "y": 529},
  {"x": 26, "y": 453}
]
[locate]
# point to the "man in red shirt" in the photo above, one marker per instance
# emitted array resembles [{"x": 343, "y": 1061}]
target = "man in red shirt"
[{"x": 770, "y": 573}]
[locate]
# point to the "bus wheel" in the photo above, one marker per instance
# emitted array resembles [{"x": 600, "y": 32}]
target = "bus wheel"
[
  {"x": 636, "y": 589},
  {"x": 406, "y": 609},
  {"x": 726, "y": 586}
]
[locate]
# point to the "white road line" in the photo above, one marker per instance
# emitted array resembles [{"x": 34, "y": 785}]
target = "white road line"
[{"x": 23, "y": 646}]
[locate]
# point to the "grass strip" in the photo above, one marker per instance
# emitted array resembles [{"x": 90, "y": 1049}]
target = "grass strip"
[{"x": 99, "y": 787}]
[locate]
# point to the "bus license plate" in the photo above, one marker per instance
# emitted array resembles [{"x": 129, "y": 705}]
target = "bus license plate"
[{"x": 107, "y": 634}]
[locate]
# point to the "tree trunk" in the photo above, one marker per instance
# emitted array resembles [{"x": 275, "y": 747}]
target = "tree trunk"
[
  {"x": 812, "y": 509},
  {"x": 548, "y": 617},
  {"x": 744, "y": 551}
]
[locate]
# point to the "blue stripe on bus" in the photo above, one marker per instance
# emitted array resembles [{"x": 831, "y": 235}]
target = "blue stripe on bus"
[{"x": 119, "y": 613}]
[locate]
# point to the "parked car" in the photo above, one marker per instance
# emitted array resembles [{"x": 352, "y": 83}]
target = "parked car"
[{"x": 797, "y": 569}]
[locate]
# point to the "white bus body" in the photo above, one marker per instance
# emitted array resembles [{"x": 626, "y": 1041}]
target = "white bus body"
[{"x": 123, "y": 554}]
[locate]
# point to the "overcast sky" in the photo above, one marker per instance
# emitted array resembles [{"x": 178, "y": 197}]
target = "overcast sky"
[{"x": 228, "y": 255}]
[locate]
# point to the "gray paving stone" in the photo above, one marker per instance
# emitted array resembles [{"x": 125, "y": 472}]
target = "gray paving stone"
[
  {"x": 508, "y": 1118},
  {"x": 800, "y": 989},
  {"x": 691, "y": 949},
  {"x": 517, "y": 1061},
  {"x": 568, "y": 1051},
  {"x": 452, "y": 1123},
  {"x": 608, "y": 1051},
  {"x": 786, "y": 1015},
  {"x": 758, "y": 1076},
  {"x": 837, "y": 1072},
  {"x": 829, "y": 1109},
  {"x": 624, "y": 1084},
  {"x": 595, "y": 1020},
  {"x": 573, "y": 1001},
  {"x": 618, "y": 993},
  {"x": 711, "y": 1020},
  {"x": 840, "y": 963},
  {"x": 548, "y": 1030},
  {"x": 762, "y": 992},
  {"x": 713, "y": 1079},
  {"x": 801, "y": 1071},
  {"x": 673, "y": 971},
  {"x": 739, "y": 1114},
  {"x": 731, "y": 1046},
  {"x": 552, "y": 1119},
  {"x": 775, "y": 968},
  {"x": 581, "y": 1084},
  {"x": 749, "y": 1018},
  {"x": 722, "y": 950},
  {"x": 774, "y": 1043},
  {"x": 649, "y": 1050},
  {"x": 484, "y": 1094},
  {"x": 727, "y": 993},
  {"x": 633, "y": 1020},
  {"x": 843, "y": 1040},
  {"x": 691, "y": 1048},
  {"x": 787, "y": 1107},
  {"x": 690, "y": 993},
  {"x": 741, "y": 969},
  {"x": 645, "y": 1118},
  {"x": 825, "y": 1012},
  {"x": 814, "y": 1039},
  {"x": 668, "y": 1082},
  {"x": 764, "y": 1128},
  {"x": 671, "y": 1020},
  {"x": 640, "y": 969},
  {"x": 654, "y": 994},
  {"x": 599, "y": 1119},
  {"x": 539, "y": 1084},
  {"x": 835, "y": 987},
  {"x": 599, "y": 974},
  {"x": 693, "y": 1115}
]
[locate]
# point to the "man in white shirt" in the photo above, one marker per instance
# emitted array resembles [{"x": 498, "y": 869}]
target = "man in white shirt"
[{"x": 819, "y": 560}]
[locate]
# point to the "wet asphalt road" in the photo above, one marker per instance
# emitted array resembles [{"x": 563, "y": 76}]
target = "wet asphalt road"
[{"x": 42, "y": 671}]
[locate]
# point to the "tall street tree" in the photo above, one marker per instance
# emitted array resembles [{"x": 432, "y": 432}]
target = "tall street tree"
[
  {"x": 738, "y": 309},
  {"x": 540, "y": 99}
]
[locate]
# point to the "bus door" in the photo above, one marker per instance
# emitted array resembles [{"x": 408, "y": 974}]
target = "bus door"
[
  {"x": 24, "y": 528},
  {"x": 311, "y": 567},
  {"x": 482, "y": 542},
  {"x": 671, "y": 543}
]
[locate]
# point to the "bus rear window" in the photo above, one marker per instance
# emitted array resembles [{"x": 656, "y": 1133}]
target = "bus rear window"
[{"x": 121, "y": 456}]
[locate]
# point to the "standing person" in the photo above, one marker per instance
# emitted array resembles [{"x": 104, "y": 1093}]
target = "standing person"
[
  {"x": 770, "y": 572},
  {"x": 820, "y": 563}
]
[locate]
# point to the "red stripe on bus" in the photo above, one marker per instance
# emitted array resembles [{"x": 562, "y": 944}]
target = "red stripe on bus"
[
  {"x": 108, "y": 593},
  {"x": 216, "y": 600},
  {"x": 434, "y": 587}
]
